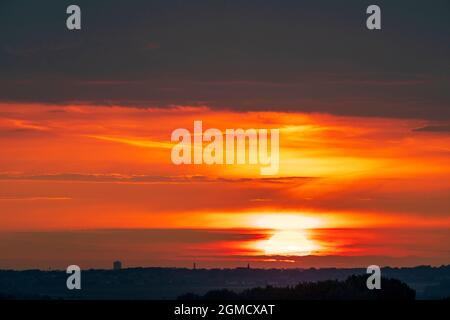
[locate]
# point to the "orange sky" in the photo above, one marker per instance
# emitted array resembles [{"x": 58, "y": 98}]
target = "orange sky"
[{"x": 347, "y": 186}]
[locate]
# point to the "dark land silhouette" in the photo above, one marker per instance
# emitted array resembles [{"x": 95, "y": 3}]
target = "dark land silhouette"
[
  {"x": 170, "y": 283},
  {"x": 353, "y": 288}
]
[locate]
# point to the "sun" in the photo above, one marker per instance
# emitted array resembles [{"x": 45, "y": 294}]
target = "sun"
[
  {"x": 290, "y": 235},
  {"x": 289, "y": 242}
]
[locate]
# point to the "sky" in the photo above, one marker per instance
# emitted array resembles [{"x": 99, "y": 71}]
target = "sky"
[{"x": 86, "y": 118}]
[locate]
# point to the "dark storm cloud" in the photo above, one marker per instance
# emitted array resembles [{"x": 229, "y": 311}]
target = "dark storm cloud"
[{"x": 313, "y": 56}]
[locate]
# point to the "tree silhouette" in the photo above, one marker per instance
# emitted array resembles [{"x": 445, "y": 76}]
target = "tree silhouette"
[{"x": 353, "y": 288}]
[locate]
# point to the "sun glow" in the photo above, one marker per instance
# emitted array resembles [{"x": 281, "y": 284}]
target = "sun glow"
[{"x": 286, "y": 221}]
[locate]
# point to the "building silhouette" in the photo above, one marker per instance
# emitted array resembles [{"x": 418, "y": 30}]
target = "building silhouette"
[{"x": 117, "y": 265}]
